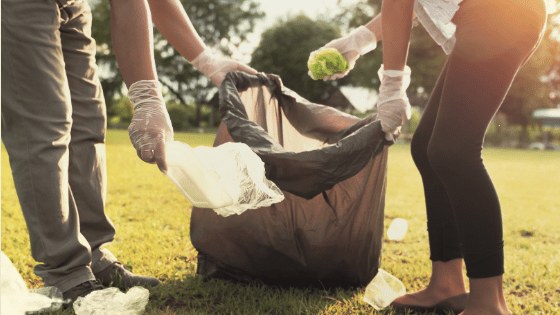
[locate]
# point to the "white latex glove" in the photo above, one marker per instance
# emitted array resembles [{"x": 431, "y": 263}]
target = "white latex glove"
[
  {"x": 216, "y": 67},
  {"x": 150, "y": 127},
  {"x": 393, "y": 107},
  {"x": 358, "y": 42}
]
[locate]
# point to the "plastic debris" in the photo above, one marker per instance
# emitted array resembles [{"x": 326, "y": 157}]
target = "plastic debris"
[
  {"x": 112, "y": 301},
  {"x": 397, "y": 229},
  {"x": 383, "y": 289},
  {"x": 16, "y": 299},
  {"x": 229, "y": 179}
]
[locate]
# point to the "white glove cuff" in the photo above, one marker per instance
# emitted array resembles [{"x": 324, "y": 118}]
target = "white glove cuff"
[
  {"x": 394, "y": 73},
  {"x": 204, "y": 61},
  {"x": 393, "y": 84},
  {"x": 145, "y": 91},
  {"x": 363, "y": 40}
]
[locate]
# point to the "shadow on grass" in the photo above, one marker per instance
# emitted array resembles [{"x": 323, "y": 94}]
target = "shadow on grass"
[{"x": 193, "y": 295}]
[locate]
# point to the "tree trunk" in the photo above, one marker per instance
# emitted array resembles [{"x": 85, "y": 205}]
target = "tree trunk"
[
  {"x": 524, "y": 136},
  {"x": 198, "y": 115}
]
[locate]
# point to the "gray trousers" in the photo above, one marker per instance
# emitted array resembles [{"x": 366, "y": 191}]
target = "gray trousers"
[{"x": 53, "y": 127}]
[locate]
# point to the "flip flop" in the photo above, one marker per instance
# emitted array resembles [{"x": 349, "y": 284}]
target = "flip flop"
[{"x": 455, "y": 304}]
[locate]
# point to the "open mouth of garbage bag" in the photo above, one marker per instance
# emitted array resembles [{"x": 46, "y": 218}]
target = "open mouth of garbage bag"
[{"x": 331, "y": 167}]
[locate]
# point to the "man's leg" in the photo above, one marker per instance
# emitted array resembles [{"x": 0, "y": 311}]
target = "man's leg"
[
  {"x": 87, "y": 147},
  {"x": 36, "y": 124},
  {"x": 87, "y": 172}
]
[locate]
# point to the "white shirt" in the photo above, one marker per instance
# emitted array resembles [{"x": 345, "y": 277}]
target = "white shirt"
[{"x": 436, "y": 16}]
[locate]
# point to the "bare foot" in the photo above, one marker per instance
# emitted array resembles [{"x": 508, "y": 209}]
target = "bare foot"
[
  {"x": 486, "y": 297},
  {"x": 446, "y": 282},
  {"x": 428, "y": 297}
]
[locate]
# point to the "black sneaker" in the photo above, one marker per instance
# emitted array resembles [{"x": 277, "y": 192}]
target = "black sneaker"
[
  {"x": 117, "y": 276},
  {"x": 81, "y": 289}
]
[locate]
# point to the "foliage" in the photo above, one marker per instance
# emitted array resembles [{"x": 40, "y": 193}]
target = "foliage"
[
  {"x": 120, "y": 114},
  {"x": 111, "y": 80},
  {"x": 182, "y": 117},
  {"x": 355, "y": 13},
  {"x": 222, "y": 25},
  {"x": 351, "y": 15},
  {"x": 152, "y": 222},
  {"x": 530, "y": 89},
  {"x": 285, "y": 47},
  {"x": 553, "y": 35},
  {"x": 284, "y": 50},
  {"x": 537, "y": 84}
]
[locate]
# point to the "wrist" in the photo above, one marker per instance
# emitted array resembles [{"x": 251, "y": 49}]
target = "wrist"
[
  {"x": 393, "y": 84},
  {"x": 145, "y": 92},
  {"x": 394, "y": 73},
  {"x": 364, "y": 39},
  {"x": 204, "y": 61}
]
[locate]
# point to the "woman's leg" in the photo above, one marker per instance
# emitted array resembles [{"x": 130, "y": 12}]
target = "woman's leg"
[
  {"x": 479, "y": 75},
  {"x": 445, "y": 248},
  {"x": 462, "y": 89},
  {"x": 442, "y": 231}
]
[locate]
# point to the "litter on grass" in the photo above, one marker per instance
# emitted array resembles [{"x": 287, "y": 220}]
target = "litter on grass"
[
  {"x": 17, "y": 299},
  {"x": 383, "y": 289},
  {"x": 112, "y": 301}
]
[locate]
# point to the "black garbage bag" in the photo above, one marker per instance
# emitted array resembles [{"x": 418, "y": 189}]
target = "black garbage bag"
[{"x": 331, "y": 167}]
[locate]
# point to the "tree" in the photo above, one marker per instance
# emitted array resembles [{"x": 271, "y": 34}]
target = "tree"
[
  {"x": 284, "y": 49},
  {"x": 553, "y": 76},
  {"x": 223, "y": 25},
  {"x": 534, "y": 86}
]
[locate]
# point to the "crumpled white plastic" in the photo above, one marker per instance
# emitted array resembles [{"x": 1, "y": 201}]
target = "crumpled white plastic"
[
  {"x": 112, "y": 301},
  {"x": 397, "y": 229},
  {"x": 16, "y": 299},
  {"x": 229, "y": 178},
  {"x": 383, "y": 289}
]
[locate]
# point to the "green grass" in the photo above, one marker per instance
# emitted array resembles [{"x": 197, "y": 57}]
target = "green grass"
[{"x": 152, "y": 221}]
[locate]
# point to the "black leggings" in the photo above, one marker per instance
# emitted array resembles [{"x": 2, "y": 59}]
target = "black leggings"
[{"x": 494, "y": 39}]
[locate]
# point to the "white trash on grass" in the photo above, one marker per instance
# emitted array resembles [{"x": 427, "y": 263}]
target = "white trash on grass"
[
  {"x": 229, "y": 178},
  {"x": 16, "y": 299},
  {"x": 397, "y": 229},
  {"x": 112, "y": 301},
  {"x": 383, "y": 289}
]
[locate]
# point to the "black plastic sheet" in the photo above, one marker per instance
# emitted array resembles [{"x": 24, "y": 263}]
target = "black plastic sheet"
[{"x": 331, "y": 167}]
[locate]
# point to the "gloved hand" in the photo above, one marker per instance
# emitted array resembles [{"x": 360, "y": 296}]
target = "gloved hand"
[
  {"x": 358, "y": 42},
  {"x": 393, "y": 107},
  {"x": 216, "y": 67},
  {"x": 151, "y": 127}
]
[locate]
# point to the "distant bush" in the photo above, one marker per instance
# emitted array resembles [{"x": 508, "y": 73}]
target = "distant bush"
[
  {"x": 120, "y": 114},
  {"x": 502, "y": 134},
  {"x": 182, "y": 116}
]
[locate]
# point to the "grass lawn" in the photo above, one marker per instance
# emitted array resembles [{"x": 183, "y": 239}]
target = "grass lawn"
[{"x": 152, "y": 221}]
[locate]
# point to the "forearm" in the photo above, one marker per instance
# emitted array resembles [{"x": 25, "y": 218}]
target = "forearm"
[
  {"x": 174, "y": 24},
  {"x": 396, "y": 27},
  {"x": 375, "y": 27},
  {"x": 131, "y": 32}
]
